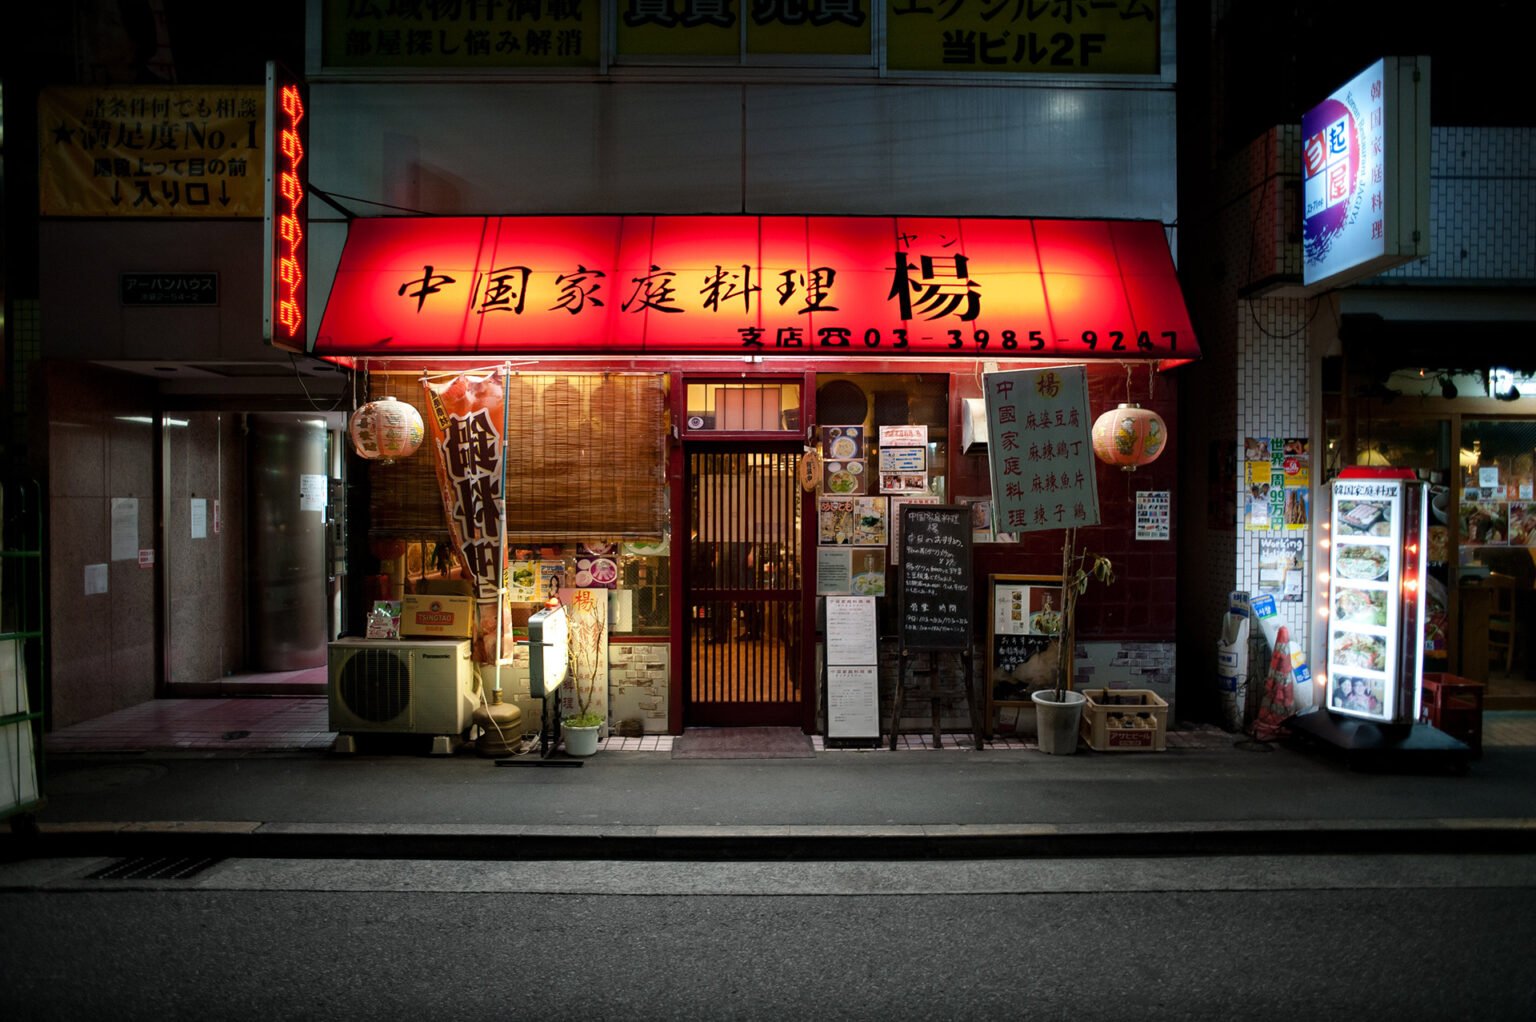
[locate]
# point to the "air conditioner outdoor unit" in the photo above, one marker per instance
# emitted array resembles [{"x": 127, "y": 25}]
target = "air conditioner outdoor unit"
[
  {"x": 973, "y": 426},
  {"x": 420, "y": 687}
]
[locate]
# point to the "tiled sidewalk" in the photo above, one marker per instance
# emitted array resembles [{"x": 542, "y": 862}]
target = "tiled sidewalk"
[{"x": 298, "y": 723}]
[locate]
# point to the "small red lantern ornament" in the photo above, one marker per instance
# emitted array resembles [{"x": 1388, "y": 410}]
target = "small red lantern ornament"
[
  {"x": 386, "y": 430},
  {"x": 1129, "y": 436}
]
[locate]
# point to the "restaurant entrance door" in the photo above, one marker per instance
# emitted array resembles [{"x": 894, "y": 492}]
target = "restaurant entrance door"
[{"x": 744, "y": 624}]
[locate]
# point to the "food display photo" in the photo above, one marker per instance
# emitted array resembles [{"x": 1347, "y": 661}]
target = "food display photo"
[
  {"x": 1360, "y": 607},
  {"x": 1364, "y": 518},
  {"x": 1356, "y": 649},
  {"x": 1364, "y": 563}
]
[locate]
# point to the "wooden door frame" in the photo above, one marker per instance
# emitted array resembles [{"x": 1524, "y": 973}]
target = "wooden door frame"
[{"x": 677, "y": 468}]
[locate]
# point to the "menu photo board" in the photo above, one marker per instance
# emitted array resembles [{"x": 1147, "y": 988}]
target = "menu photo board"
[
  {"x": 936, "y": 577},
  {"x": 1024, "y": 647}
]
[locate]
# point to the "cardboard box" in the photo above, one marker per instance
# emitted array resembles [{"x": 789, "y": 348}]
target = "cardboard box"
[
  {"x": 437, "y": 617},
  {"x": 1124, "y": 720}
]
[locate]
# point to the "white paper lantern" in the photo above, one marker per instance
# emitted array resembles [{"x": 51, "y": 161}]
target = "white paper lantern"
[{"x": 386, "y": 430}]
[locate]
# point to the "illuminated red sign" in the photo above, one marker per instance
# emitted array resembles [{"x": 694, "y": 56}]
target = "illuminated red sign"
[
  {"x": 290, "y": 229},
  {"x": 287, "y": 193},
  {"x": 748, "y": 285}
]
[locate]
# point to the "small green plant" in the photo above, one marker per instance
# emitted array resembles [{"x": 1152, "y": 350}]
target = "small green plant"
[
  {"x": 1078, "y": 568},
  {"x": 588, "y": 719}
]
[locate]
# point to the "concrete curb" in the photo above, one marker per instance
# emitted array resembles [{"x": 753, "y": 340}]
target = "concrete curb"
[{"x": 255, "y": 839}]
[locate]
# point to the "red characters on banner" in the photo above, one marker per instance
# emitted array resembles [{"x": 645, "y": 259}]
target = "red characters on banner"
[{"x": 466, "y": 433}]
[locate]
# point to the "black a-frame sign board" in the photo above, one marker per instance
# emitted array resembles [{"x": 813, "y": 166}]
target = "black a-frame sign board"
[{"x": 936, "y": 599}]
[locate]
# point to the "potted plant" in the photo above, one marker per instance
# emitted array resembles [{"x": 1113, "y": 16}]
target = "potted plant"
[
  {"x": 1059, "y": 710},
  {"x": 580, "y": 730}
]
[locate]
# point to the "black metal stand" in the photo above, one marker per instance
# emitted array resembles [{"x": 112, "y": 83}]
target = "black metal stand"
[
  {"x": 1384, "y": 747},
  {"x": 932, "y": 671}
]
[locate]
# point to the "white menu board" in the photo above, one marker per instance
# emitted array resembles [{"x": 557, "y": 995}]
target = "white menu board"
[
  {"x": 851, "y": 634},
  {"x": 853, "y": 701},
  {"x": 1365, "y": 573}
]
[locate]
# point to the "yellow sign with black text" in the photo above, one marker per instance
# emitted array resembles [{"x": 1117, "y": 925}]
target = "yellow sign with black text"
[
  {"x": 190, "y": 151},
  {"x": 1077, "y": 37}
]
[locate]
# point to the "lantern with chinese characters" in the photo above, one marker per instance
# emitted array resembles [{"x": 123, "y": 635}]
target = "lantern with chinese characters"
[
  {"x": 1129, "y": 435},
  {"x": 386, "y": 430}
]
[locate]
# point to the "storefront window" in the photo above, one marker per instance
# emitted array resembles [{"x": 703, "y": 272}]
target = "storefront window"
[
  {"x": 1497, "y": 510},
  {"x": 742, "y": 407}
]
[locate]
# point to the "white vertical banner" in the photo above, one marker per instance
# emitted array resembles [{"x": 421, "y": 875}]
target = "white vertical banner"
[{"x": 1040, "y": 449}]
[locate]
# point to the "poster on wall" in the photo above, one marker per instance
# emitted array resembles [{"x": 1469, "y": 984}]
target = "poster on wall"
[
  {"x": 845, "y": 476},
  {"x": 1152, "y": 514},
  {"x": 1281, "y": 566},
  {"x": 1277, "y": 477},
  {"x": 868, "y": 571},
  {"x": 834, "y": 571}
]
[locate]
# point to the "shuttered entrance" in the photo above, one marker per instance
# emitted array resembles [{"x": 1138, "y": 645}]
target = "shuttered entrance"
[{"x": 744, "y": 619}]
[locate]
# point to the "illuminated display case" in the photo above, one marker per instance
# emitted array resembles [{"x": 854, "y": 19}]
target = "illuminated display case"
[{"x": 1375, "y": 600}]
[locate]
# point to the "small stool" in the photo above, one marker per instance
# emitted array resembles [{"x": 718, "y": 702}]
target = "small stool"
[{"x": 1455, "y": 705}]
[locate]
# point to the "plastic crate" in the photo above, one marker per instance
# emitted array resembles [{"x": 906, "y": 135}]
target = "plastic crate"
[
  {"x": 1455, "y": 705},
  {"x": 1125, "y": 720}
]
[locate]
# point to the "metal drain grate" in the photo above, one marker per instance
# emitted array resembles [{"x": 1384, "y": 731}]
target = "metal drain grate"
[{"x": 155, "y": 867}]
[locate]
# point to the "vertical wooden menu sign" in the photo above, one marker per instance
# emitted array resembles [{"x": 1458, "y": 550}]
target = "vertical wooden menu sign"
[{"x": 937, "y": 595}]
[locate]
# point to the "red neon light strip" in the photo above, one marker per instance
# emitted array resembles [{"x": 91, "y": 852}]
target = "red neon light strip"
[{"x": 290, "y": 229}]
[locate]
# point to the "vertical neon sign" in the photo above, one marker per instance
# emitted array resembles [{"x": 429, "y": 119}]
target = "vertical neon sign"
[
  {"x": 290, "y": 229},
  {"x": 287, "y": 194}
]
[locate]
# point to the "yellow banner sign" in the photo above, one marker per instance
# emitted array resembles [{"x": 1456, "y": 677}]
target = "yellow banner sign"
[
  {"x": 1084, "y": 37},
  {"x": 481, "y": 35},
  {"x": 151, "y": 151}
]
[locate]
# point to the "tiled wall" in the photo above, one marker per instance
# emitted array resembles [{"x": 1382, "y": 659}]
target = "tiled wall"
[
  {"x": 1482, "y": 207},
  {"x": 638, "y": 674},
  {"x": 637, "y": 684},
  {"x": 101, "y": 647}
]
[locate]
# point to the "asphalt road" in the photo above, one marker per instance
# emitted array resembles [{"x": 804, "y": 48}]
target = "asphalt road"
[{"x": 1402, "y": 936}]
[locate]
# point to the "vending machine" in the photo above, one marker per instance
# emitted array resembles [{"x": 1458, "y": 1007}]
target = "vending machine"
[{"x": 1377, "y": 560}]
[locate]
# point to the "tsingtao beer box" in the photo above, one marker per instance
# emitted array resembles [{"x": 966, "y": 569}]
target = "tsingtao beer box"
[{"x": 437, "y": 617}]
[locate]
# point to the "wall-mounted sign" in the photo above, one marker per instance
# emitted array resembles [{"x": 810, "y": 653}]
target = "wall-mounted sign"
[
  {"x": 168, "y": 288},
  {"x": 856, "y": 287},
  {"x": 287, "y": 210},
  {"x": 1039, "y": 449},
  {"x": 1365, "y": 171},
  {"x": 1099, "y": 38},
  {"x": 473, "y": 35},
  {"x": 150, "y": 151}
]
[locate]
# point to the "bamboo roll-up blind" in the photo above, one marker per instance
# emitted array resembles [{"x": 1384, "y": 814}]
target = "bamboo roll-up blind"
[{"x": 586, "y": 460}]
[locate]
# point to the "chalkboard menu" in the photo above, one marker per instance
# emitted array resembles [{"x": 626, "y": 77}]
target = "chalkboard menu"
[{"x": 936, "y": 589}]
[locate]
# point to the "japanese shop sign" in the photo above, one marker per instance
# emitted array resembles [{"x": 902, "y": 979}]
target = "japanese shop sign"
[
  {"x": 1365, "y": 174},
  {"x": 1090, "y": 37},
  {"x": 286, "y": 209},
  {"x": 164, "y": 289},
  {"x": 714, "y": 29},
  {"x": 476, "y": 35},
  {"x": 1040, "y": 450},
  {"x": 748, "y": 285},
  {"x": 150, "y": 151}
]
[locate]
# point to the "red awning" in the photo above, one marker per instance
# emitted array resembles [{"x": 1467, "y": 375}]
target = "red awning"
[{"x": 750, "y": 285}]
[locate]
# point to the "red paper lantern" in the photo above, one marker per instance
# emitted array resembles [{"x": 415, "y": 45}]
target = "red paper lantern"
[
  {"x": 386, "y": 430},
  {"x": 1129, "y": 436}
]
